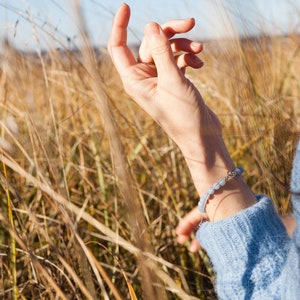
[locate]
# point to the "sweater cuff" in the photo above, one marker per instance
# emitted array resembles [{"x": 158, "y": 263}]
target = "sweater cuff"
[{"x": 247, "y": 238}]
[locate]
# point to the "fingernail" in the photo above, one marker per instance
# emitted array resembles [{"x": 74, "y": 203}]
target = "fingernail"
[{"x": 196, "y": 46}]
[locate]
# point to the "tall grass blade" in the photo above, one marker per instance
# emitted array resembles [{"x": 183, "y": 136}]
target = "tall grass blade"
[{"x": 13, "y": 253}]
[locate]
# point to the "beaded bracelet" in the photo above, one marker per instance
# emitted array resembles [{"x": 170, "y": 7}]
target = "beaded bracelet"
[{"x": 216, "y": 186}]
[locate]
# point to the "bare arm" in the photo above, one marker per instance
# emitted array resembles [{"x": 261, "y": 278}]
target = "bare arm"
[{"x": 159, "y": 86}]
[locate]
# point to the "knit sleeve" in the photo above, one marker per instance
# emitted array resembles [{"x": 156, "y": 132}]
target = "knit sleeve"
[
  {"x": 295, "y": 195},
  {"x": 248, "y": 251},
  {"x": 251, "y": 253}
]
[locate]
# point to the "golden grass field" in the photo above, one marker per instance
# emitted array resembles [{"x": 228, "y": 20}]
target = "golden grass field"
[{"x": 92, "y": 189}]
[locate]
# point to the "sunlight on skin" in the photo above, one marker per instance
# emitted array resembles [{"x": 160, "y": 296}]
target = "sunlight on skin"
[{"x": 190, "y": 123}]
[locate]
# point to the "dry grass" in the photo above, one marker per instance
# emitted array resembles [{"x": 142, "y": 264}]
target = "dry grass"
[{"x": 96, "y": 188}]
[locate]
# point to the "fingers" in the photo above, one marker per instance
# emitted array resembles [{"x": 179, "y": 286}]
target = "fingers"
[
  {"x": 185, "y": 45},
  {"x": 187, "y": 226},
  {"x": 189, "y": 222},
  {"x": 123, "y": 57},
  {"x": 117, "y": 46},
  {"x": 170, "y": 29},
  {"x": 161, "y": 51},
  {"x": 177, "y": 45},
  {"x": 173, "y": 27},
  {"x": 194, "y": 246},
  {"x": 188, "y": 60}
]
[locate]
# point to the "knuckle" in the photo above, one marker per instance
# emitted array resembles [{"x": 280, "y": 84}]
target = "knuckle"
[{"x": 160, "y": 49}]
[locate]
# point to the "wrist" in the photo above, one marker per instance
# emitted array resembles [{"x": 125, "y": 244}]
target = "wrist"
[
  {"x": 207, "y": 162},
  {"x": 207, "y": 165},
  {"x": 206, "y": 172},
  {"x": 218, "y": 185},
  {"x": 235, "y": 196},
  {"x": 204, "y": 148}
]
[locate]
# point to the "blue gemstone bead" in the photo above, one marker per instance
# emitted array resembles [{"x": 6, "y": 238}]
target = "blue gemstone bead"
[
  {"x": 222, "y": 181},
  {"x": 216, "y": 186}
]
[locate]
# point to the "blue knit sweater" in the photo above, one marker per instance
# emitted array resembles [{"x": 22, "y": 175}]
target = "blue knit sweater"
[{"x": 251, "y": 253}]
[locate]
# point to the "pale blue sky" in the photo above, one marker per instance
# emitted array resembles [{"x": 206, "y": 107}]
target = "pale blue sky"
[{"x": 30, "y": 23}]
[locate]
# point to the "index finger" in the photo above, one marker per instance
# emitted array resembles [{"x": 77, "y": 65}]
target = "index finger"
[{"x": 117, "y": 46}]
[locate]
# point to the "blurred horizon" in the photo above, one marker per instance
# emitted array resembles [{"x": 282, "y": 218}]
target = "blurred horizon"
[{"x": 48, "y": 23}]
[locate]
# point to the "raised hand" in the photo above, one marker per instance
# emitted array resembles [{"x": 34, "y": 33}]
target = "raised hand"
[{"x": 156, "y": 81}]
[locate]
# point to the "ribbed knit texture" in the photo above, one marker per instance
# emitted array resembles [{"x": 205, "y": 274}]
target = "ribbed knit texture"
[{"x": 251, "y": 253}]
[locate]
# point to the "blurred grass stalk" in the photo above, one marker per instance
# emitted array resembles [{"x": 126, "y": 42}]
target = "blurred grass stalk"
[
  {"x": 13, "y": 254},
  {"x": 4, "y": 182},
  {"x": 149, "y": 280}
]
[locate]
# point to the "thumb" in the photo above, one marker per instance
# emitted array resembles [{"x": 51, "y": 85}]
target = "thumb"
[{"x": 161, "y": 51}]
